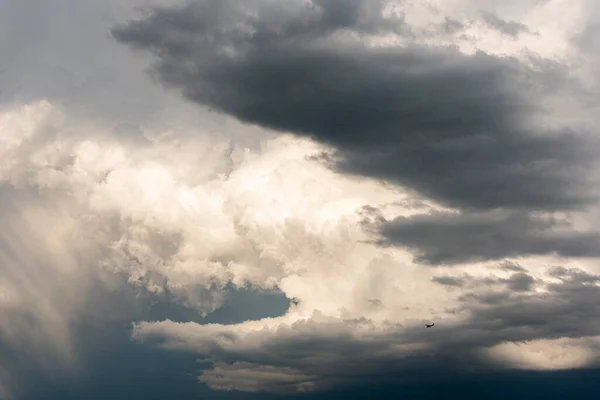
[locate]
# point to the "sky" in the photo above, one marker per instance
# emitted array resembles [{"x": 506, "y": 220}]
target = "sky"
[{"x": 270, "y": 199}]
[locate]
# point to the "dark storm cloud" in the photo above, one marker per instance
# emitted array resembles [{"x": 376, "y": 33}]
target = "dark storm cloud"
[
  {"x": 510, "y": 28},
  {"x": 449, "y": 238},
  {"x": 451, "y": 126}
]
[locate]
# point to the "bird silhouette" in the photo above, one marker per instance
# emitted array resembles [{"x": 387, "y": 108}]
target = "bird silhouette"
[{"x": 429, "y": 326}]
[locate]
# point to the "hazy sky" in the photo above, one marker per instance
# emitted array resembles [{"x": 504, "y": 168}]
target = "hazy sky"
[{"x": 238, "y": 199}]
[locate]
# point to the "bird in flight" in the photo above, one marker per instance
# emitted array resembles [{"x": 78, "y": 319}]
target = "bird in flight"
[{"x": 429, "y": 326}]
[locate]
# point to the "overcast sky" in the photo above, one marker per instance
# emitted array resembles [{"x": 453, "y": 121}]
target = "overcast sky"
[{"x": 238, "y": 199}]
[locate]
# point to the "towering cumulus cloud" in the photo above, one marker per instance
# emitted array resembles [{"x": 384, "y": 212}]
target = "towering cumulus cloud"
[{"x": 321, "y": 179}]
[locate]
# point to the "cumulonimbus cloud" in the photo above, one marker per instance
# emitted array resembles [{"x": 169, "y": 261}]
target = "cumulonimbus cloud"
[
  {"x": 169, "y": 221},
  {"x": 269, "y": 219},
  {"x": 459, "y": 135},
  {"x": 483, "y": 134}
]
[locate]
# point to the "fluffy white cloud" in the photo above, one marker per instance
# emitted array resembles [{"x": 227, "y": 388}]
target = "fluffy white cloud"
[{"x": 268, "y": 218}]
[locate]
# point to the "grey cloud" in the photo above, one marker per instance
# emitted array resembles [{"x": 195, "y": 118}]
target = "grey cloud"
[
  {"x": 453, "y": 127},
  {"x": 448, "y": 281},
  {"x": 110, "y": 364},
  {"x": 325, "y": 354},
  {"x": 213, "y": 25},
  {"x": 452, "y": 26},
  {"x": 317, "y": 356},
  {"x": 569, "y": 310},
  {"x": 331, "y": 356},
  {"x": 573, "y": 275},
  {"x": 449, "y": 238},
  {"x": 59, "y": 309},
  {"x": 492, "y": 298},
  {"x": 520, "y": 282},
  {"x": 510, "y": 28},
  {"x": 113, "y": 366},
  {"x": 130, "y": 134},
  {"x": 587, "y": 40},
  {"x": 565, "y": 309},
  {"x": 248, "y": 377},
  {"x": 510, "y": 266},
  {"x": 376, "y": 107}
]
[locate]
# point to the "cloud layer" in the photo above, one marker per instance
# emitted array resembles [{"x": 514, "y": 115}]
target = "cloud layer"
[
  {"x": 466, "y": 130},
  {"x": 452, "y": 238},
  {"x": 502, "y": 170},
  {"x": 274, "y": 219},
  {"x": 287, "y": 245}
]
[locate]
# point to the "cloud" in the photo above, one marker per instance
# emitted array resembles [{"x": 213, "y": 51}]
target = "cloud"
[
  {"x": 249, "y": 377},
  {"x": 485, "y": 143},
  {"x": 157, "y": 222},
  {"x": 409, "y": 114},
  {"x": 140, "y": 213},
  {"x": 100, "y": 218},
  {"x": 448, "y": 281},
  {"x": 450, "y": 238},
  {"x": 511, "y": 266},
  {"x": 555, "y": 329},
  {"x": 510, "y": 28},
  {"x": 520, "y": 282},
  {"x": 560, "y": 354},
  {"x": 246, "y": 265}
]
